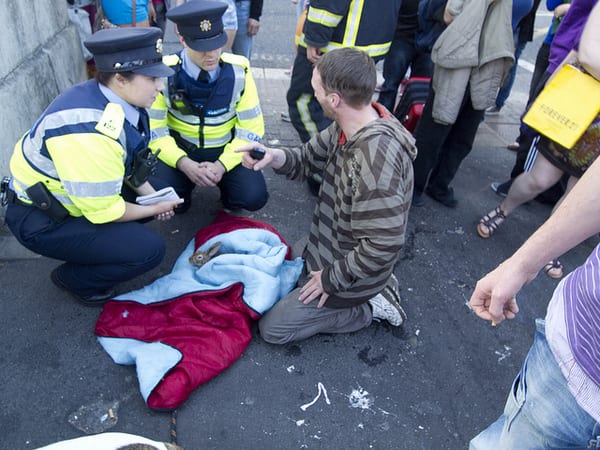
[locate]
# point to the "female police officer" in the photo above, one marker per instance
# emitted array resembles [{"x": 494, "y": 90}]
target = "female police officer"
[{"x": 76, "y": 173}]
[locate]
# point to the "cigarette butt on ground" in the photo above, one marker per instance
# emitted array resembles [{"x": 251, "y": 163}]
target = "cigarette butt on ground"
[{"x": 493, "y": 323}]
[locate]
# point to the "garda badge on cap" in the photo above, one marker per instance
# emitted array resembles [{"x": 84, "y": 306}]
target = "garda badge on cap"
[
  {"x": 159, "y": 46},
  {"x": 205, "y": 25}
]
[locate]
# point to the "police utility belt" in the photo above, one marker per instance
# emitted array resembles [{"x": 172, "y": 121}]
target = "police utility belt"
[
  {"x": 40, "y": 197},
  {"x": 143, "y": 167}
]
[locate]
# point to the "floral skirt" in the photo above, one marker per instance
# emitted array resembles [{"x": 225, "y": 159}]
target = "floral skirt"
[{"x": 574, "y": 161}]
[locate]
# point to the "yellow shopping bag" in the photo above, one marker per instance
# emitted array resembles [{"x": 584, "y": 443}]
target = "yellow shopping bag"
[{"x": 566, "y": 106}]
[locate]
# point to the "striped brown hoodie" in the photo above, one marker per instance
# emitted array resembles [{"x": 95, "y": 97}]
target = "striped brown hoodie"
[{"x": 361, "y": 215}]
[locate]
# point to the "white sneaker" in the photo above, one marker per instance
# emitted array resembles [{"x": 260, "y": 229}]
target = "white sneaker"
[
  {"x": 386, "y": 306},
  {"x": 393, "y": 284}
]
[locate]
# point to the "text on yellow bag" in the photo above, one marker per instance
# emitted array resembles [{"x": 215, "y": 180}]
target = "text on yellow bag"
[{"x": 566, "y": 106}]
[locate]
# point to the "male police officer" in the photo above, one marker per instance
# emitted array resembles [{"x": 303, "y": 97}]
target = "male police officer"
[{"x": 209, "y": 108}]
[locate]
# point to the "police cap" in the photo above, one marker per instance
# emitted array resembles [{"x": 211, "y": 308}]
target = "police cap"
[
  {"x": 137, "y": 49},
  {"x": 200, "y": 23}
]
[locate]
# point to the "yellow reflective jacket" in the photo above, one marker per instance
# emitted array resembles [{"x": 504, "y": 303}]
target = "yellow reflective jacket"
[
  {"x": 368, "y": 25},
  {"x": 224, "y": 114},
  {"x": 78, "y": 149}
]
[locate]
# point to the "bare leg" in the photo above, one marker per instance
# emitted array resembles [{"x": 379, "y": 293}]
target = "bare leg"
[
  {"x": 529, "y": 184},
  {"x": 524, "y": 188}
]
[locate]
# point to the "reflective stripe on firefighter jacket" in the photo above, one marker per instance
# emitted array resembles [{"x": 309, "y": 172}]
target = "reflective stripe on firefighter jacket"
[
  {"x": 368, "y": 25},
  {"x": 192, "y": 115},
  {"x": 81, "y": 148}
]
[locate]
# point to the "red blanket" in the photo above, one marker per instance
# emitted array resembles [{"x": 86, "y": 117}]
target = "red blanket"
[{"x": 211, "y": 329}]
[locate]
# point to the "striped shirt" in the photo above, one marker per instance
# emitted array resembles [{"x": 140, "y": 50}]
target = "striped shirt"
[
  {"x": 573, "y": 332},
  {"x": 361, "y": 215}
]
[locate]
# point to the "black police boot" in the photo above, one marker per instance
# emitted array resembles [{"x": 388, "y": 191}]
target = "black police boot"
[
  {"x": 97, "y": 299},
  {"x": 445, "y": 198}
]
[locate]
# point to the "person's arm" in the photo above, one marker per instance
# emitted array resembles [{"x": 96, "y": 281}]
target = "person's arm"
[
  {"x": 249, "y": 124},
  {"x": 589, "y": 48},
  {"x": 92, "y": 163},
  {"x": 453, "y": 8},
  {"x": 577, "y": 218},
  {"x": 322, "y": 19},
  {"x": 201, "y": 174},
  {"x": 256, "y": 7},
  {"x": 253, "y": 25},
  {"x": 298, "y": 163},
  {"x": 561, "y": 10},
  {"x": 151, "y": 12},
  {"x": 160, "y": 211},
  {"x": 552, "y": 4},
  {"x": 170, "y": 153},
  {"x": 273, "y": 157}
]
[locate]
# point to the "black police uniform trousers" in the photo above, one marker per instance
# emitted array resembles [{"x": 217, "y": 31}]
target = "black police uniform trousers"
[
  {"x": 442, "y": 148},
  {"x": 305, "y": 111},
  {"x": 97, "y": 256},
  {"x": 241, "y": 188}
]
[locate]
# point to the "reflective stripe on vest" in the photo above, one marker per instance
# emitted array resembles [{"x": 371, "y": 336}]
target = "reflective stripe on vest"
[{"x": 32, "y": 146}]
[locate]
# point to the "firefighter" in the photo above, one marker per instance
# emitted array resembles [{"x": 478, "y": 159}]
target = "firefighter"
[{"x": 368, "y": 25}]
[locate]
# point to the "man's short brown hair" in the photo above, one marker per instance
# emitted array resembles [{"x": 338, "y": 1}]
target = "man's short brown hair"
[{"x": 349, "y": 72}]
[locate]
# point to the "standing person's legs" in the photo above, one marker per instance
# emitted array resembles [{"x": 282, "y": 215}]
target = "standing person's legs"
[
  {"x": 527, "y": 135},
  {"x": 161, "y": 18},
  {"x": 305, "y": 112},
  {"x": 230, "y": 24},
  {"x": 541, "y": 64},
  {"x": 421, "y": 65},
  {"x": 456, "y": 147},
  {"x": 506, "y": 87},
  {"x": 242, "y": 45},
  {"x": 429, "y": 136},
  {"x": 532, "y": 419},
  {"x": 525, "y": 187},
  {"x": 395, "y": 65},
  {"x": 528, "y": 185}
]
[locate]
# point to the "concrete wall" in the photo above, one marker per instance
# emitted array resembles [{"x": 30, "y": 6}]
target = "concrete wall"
[{"x": 41, "y": 56}]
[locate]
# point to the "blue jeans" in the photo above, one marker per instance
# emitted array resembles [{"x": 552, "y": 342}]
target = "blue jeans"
[
  {"x": 242, "y": 44},
  {"x": 402, "y": 55},
  {"x": 540, "y": 411},
  {"x": 506, "y": 87}
]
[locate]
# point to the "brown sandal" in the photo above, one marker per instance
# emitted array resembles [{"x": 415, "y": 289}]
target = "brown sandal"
[
  {"x": 555, "y": 265},
  {"x": 491, "y": 221},
  {"x": 513, "y": 147}
]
